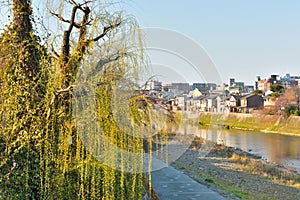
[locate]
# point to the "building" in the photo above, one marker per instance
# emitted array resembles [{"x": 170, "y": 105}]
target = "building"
[
  {"x": 269, "y": 101},
  {"x": 233, "y": 90},
  {"x": 193, "y": 103},
  {"x": 256, "y": 82},
  {"x": 234, "y": 87},
  {"x": 204, "y": 87},
  {"x": 265, "y": 84},
  {"x": 154, "y": 85},
  {"x": 240, "y": 85},
  {"x": 210, "y": 103},
  {"x": 288, "y": 81},
  {"x": 233, "y": 102},
  {"x": 297, "y": 78},
  {"x": 251, "y": 102},
  {"x": 231, "y": 82},
  {"x": 195, "y": 93},
  {"x": 249, "y": 88},
  {"x": 177, "y": 88}
]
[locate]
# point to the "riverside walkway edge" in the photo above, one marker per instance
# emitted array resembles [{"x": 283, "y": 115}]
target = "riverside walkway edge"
[{"x": 171, "y": 184}]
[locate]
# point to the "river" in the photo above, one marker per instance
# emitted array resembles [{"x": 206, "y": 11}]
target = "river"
[{"x": 277, "y": 148}]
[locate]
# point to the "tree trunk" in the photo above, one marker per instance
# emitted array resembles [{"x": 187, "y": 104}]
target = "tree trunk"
[
  {"x": 21, "y": 23},
  {"x": 29, "y": 53}
]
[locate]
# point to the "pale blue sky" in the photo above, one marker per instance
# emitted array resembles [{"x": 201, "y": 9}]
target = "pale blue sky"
[{"x": 243, "y": 38}]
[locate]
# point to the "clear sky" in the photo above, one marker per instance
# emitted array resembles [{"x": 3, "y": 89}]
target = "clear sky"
[{"x": 243, "y": 38}]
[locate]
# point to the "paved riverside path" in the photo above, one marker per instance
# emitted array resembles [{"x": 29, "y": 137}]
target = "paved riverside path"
[{"x": 171, "y": 184}]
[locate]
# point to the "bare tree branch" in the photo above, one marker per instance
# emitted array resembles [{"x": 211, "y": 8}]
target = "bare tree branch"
[
  {"x": 147, "y": 82},
  {"x": 60, "y": 17},
  {"x": 70, "y": 62},
  {"x": 73, "y": 15},
  {"x": 64, "y": 56},
  {"x": 82, "y": 43},
  {"x": 74, "y": 3},
  {"x": 83, "y": 4},
  {"x": 106, "y": 30},
  {"x": 53, "y": 50},
  {"x": 103, "y": 62}
]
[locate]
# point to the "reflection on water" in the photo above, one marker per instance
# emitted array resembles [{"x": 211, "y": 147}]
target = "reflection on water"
[{"x": 282, "y": 149}]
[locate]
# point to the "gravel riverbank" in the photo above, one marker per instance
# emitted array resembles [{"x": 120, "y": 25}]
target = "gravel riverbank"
[{"x": 237, "y": 174}]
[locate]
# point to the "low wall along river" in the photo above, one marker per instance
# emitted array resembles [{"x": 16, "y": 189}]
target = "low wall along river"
[
  {"x": 256, "y": 122},
  {"x": 247, "y": 132}
]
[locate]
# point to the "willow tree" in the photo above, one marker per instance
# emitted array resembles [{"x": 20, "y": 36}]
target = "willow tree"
[{"x": 42, "y": 154}]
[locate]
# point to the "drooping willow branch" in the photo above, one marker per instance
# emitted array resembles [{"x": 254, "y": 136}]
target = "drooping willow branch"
[{"x": 36, "y": 111}]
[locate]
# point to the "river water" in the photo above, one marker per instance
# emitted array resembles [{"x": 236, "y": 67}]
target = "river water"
[{"x": 281, "y": 149}]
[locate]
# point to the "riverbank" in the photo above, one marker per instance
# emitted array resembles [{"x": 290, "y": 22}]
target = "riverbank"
[
  {"x": 253, "y": 122},
  {"x": 237, "y": 174}
]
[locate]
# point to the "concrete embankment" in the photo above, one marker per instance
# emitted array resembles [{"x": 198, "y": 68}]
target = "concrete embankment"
[{"x": 256, "y": 122}]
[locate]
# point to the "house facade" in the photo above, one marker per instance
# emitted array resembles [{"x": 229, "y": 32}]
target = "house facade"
[
  {"x": 233, "y": 102},
  {"x": 251, "y": 102}
]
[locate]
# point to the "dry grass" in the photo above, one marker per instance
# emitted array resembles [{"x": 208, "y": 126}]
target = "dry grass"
[
  {"x": 240, "y": 159},
  {"x": 270, "y": 171}
]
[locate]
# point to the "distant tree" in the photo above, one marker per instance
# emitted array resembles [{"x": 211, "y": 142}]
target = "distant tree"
[
  {"x": 296, "y": 113},
  {"x": 291, "y": 110},
  {"x": 277, "y": 88},
  {"x": 275, "y": 94},
  {"x": 292, "y": 94},
  {"x": 257, "y": 92},
  {"x": 288, "y": 101}
]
